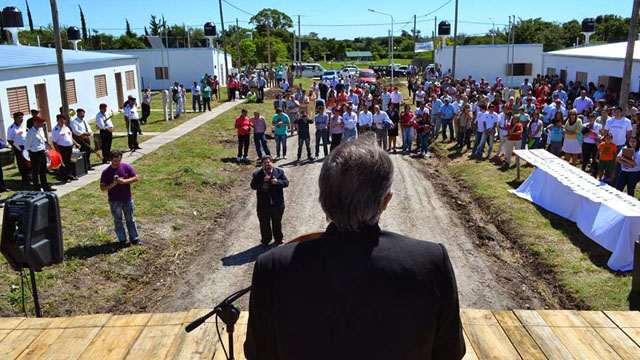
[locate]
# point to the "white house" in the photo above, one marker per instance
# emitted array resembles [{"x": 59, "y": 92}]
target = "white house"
[
  {"x": 600, "y": 64},
  {"x": 29, "y": 80},
  {"x": 490, "y": 61},
  {"x": 184, "y": 65}
]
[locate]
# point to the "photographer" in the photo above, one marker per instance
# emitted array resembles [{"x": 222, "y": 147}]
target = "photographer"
[
  {"x": 269, "y": 182},
  {"x": 117, "y": 180}
]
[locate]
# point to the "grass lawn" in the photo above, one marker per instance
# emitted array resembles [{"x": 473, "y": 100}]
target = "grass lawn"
[
  {"x": 183, "y": 184},
  {"x": 579, "y": 263}
]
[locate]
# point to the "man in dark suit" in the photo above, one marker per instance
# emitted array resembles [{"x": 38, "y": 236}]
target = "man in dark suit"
[
  {"x": 355, "y": 291},
  {"x": 268, "y": 183}
]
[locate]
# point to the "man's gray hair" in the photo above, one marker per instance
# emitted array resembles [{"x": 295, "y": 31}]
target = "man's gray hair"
[{"x": 353, "y": 183}]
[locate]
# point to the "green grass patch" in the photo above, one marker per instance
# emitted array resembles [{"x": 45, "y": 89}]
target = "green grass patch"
[{"x": 579, "y": 263}]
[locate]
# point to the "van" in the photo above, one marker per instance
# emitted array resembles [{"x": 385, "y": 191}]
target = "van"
[{"x": 312, "y": 70}]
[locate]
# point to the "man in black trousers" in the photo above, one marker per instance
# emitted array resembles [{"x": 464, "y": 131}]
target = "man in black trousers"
[
  {"x": 355, "y": 291},
  {"x": 268, "y": 183}
]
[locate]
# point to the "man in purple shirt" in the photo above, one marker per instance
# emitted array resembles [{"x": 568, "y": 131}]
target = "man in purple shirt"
[{"x": 116, "y": 180}]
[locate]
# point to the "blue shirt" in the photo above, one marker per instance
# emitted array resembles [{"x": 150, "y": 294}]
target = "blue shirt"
[
  {"x": 555, "y": 133},
  {"x": 447, "y": 111},
  {"x": 261, "y": 82},
  {"x": 435, "y": 106},
  {"x": 322, "y": 121},
  {"x": 562, "y": 95}
]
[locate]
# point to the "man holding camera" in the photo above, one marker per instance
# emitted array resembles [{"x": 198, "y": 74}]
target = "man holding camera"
[
  {"x": 269, "y": 182},
  {"x": 116, "y": 179}
]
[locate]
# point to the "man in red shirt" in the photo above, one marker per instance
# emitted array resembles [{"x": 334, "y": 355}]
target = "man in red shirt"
[
  {"x": 243, "y": 124},
  {"x": 514, "y": 137}
]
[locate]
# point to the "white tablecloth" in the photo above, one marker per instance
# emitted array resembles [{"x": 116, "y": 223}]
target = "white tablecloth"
[{"x": 609, "y": 217}]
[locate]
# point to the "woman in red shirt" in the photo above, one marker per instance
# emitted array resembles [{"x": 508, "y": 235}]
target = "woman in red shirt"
[
  {"x": 514, "y": 137},
  {"x": 406, "y": 123}
]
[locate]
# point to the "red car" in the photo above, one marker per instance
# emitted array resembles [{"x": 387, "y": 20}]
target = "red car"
[{"x": 367, "y": 75}]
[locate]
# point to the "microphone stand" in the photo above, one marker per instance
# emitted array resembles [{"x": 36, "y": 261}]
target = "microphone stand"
[{"x": 227, "y": 312}]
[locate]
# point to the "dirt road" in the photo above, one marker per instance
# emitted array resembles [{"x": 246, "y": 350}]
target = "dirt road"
[{"x": 417, "y": 210}]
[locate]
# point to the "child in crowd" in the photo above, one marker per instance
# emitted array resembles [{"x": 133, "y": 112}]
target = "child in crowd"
[
  {"x": 606, "y": 155},
  {"x": 629, "y": 160},
  {"x": 556, "y": 132}
]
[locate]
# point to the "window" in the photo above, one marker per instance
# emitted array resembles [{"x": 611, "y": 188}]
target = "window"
[
  {"x": 100, "y": 82},
  {"x": 519, "y": 69},
  {"x": 582, "y": 77},
  {"x": 130, "y": 79},
  {"x": 18, "y": 99},
  {"x": 551, "y": 71},
  {"x": 71, "y": 92},
  {"x": 162, "y": 73}
]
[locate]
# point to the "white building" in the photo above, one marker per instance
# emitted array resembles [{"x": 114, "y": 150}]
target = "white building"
[
  {"x": 29, "y": 80},
  {"x": 184, "y": 65},
  {"x": 490, "y": 61},
  {"x": 600, "y": 64}
]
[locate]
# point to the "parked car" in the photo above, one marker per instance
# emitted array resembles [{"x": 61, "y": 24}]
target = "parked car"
[
  {"x": 312, "y": 70},
  {"x": 404, "y": 69},
  {"x": 349, "y": 70},
  {"x": 367, "y": 75},
  {"x": 378, "y": 69},
  {"x": 330, "y": 74}
]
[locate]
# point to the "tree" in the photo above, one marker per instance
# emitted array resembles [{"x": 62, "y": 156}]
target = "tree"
[
  {"x": 128, "y": 31},
  {"x": 29, "y": 16},
  {"x": 154, "y": 25},
  {"x": 146, "y": 32},
  {"x": 313, "y": 35},
  {"x": 128, "y": 42},
  {"x": 248, "y": 51},
  {"x": 277, "y": 20},
  {"x": 612, "y": 28},
  {"x": 83, "y": 24}
]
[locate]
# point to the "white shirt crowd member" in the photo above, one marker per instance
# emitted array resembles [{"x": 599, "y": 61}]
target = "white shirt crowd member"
[
  {"x": 365, "y": 118},
  {"x": 35, "y": 140},
  {"x": 17, "y": 134},
  {"x": 350, "y": 120},
  {"x": 62, "y": 136},
  {"x": 103, "y": 122},
  {"x": 80, "y": 126}
]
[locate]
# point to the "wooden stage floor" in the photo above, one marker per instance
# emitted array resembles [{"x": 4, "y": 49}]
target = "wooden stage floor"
[{"x": 518, "y": 334}]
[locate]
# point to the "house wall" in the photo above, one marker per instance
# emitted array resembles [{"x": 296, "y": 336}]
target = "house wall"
[
  {"x": 594, "y": 67},
  {"x": 83, "y": 74},
  {"x": 490, "y": 61},
  {"x": 186, "y": 65}
]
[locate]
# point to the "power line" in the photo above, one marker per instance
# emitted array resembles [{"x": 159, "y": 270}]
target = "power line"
[
  {"x": 237, "y": 8},
  {"x": 441, "y": 6}
]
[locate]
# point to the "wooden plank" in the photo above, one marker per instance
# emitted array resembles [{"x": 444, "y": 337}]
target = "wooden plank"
[
  {"x": 625, "y": 319},
  {"x": 95, "y": 320},
  {"x": 470, "y": 353},
  {"x": 16, "y": 342},
  {"x": 167, "y": 318},
  {"x": 35, "y": 323},
  {"x": 112, "y": 343},
  {"x": 71, "y": 343},
  {"x": 486, "y": 335},
  {"x": 616, "y": 338},
  {"x": 10, "y": 323},
  {"x": 40, "y": 345},
  {"x": 128, "y": 320},
  {"x": 543, "y": 335},
  {"x": 155, "y": 342},
  {"x": 4, "y": 333},
  {"x": 575, "y": 332},
  {"x": 198, "y": 344},
  {"x": 520, "y": 338}
]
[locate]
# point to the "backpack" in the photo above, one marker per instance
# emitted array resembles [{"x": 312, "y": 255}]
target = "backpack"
[{"x": 176, "y": 95}]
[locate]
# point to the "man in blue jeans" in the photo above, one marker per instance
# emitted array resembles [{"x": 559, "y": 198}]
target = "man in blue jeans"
[
  {"x": 446, "y": 112},
  {"x": 116, "y": 180}
]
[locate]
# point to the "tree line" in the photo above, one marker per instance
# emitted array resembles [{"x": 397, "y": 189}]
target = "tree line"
[{"x": 270, "y": 27}]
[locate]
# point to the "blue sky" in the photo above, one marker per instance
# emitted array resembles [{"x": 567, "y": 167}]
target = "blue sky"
[{"x": 320, "y": 16}]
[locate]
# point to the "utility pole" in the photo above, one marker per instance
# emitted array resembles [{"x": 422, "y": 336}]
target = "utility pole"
[
  {"x": 238, "y": 44},
  {"x": 269, "y": 41},
  {"x": 513, "y": 44},
  {"x": 294, "y": 46},
  {"x": 506, "y": 75},
  {"x": 628, "y": 60},
  {"x": 455, "y": 39},
  {"x": 414, "y": 35},
  {"x": 224, "y": 45},
  {"x": 61, "y": 74},
  {"x": 435, "y": 33},
  {"x": 299, "y": 41}
]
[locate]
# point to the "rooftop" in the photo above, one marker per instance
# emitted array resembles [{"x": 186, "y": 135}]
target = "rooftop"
[
  {"x": 14, "y": 56},
  {"x": 351, "y": 54},
  {"x": 614, "y": 51}
]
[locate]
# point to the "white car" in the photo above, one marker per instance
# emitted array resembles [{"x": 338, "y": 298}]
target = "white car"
[
  {"x": 312, "y": 70},
  {"x": 330, "y": 74},
  {"x": 349, "y": 70}
]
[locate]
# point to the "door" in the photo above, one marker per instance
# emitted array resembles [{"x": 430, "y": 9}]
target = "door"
[
  {"x": 119, "y": 90},
  {"x": 43, "y": 103}
]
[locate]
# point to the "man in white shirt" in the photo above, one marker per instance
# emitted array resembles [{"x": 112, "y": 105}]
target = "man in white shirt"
[
  {"x": 35, "y": 143},
  {"x": 353, "y": 98},
  {"x": 396, "y": 98},
  {"x": 82, "y": 135},
  {"x": 525, "y": 87},
  {"x": 16, "y": 135},
  {"x": 350, "y": 121},
  {"x": 381, "y": 123},
  {"x": 62, "y": 138},
  {"x": 133, "y": 123},
  {"x": 195, "y": 97},
  {"x": 490, "y": 121},
  {"x": 365, "y": 120},
  {"x": 386, "y": 99},
  {"x": 105, "y": 126},
  {"x": 479, "y": 127},
  {"x": 582, "y": 103},
  {"x": 619, "y": 127}
]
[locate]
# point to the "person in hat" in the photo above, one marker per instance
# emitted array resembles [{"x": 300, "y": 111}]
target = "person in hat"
[
  {"x": 63, "y": 142},
  {"x": 105, "y": 125},
  {"x": 36, "y": 145},
  {"x": 16, "y": 135},
  {"x": 82, "y": 135},
  {"x": 133, "y": 123},
  {"x": 34, "y": 113}
]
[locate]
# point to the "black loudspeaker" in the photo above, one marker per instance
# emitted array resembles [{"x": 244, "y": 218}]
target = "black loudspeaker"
[
  {"x": 6, "y": 157},
  {"x": 31, "y": 231},
  {"x": 79, "y": 168}
]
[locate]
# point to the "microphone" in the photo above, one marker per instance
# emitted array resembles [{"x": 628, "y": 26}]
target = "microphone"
[{"x": 218, "y": 309}]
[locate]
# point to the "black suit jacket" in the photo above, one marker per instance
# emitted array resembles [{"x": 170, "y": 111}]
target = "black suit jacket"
[
  {"x": 269, "y": 195},
  {"x": 366, "y": 295}
]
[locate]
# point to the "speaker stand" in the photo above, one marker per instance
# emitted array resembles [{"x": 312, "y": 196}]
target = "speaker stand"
[{"x": 34, "y": 288}]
